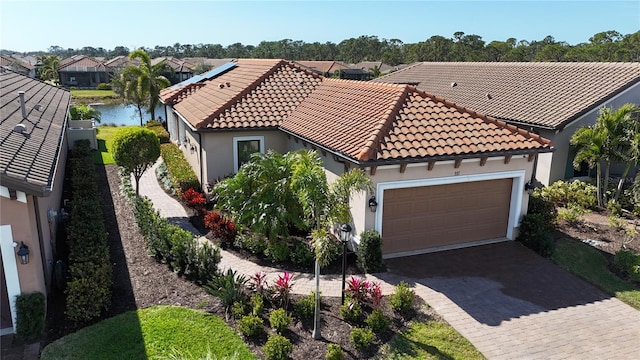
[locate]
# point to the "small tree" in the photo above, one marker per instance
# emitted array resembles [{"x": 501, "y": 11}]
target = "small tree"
[
  {"x": 84, "y": 112},
  {"x": 136, "y": 149}
]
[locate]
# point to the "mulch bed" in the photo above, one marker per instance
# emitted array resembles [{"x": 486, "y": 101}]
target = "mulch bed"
[{"x": 139, "y": 282}]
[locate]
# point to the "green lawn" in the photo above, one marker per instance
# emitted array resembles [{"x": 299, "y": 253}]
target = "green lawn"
[
  {"x": 107, "y": 94},
  {"x": 588, "y": 263},
  {"x": 105, "y": 140},
  {"x": 158, "y": 332},
  {"x": 430, "y": 340}
]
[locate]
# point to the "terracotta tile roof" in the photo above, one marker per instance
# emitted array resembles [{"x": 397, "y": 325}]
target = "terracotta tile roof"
[
  {"x": 10, "y": 61},
  {"x": 384, "y": 122},
  {"x": 28, "y": 159},
  {"x": 178, "y": 65},
  {"x": 543, "y": 94},
  {"x": 323, "y": 67},
  {"x": 82, "y": 63},
  {"x": 254, "y": 94}
]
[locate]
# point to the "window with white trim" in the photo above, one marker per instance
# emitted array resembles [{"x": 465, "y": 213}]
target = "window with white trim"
[{"x": 243, "y": 147}]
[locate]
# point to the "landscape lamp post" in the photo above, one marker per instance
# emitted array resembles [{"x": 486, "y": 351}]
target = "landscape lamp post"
[{"x": 345, "y": 230}]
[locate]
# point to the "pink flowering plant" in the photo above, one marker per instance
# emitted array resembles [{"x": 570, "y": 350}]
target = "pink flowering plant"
[
  {"x": 360, "y": 290},
  {"x": 282, "y": 288},
  {"x": 258, "y": 282}
]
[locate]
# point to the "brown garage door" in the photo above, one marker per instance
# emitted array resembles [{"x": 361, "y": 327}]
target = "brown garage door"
[{"x": 441, "y": 215}]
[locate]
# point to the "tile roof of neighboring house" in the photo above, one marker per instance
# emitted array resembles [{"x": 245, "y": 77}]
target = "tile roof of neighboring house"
[
  {"x": 178, "y": 65},
  {"x": 214, "y": 63},
  {"x": 548, "y": 95},
  {"x": 121, "y": 61},
  {"x": 28, "y": 160},
  {"x": 368, "y": 65},
  {"x": 256, "y": 93},
  {"x": 324, "y": 67},
  {"x": 10, "y": 61},
  {"x": 384, "y": 122},
  {"x": 81, "y": 63}
]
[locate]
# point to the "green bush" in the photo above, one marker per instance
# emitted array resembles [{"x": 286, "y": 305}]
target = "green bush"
[
  {"x": 534, "y": 235},
  {"x": 159, "y": 130},
  {"x": 103, "y": 86},
  {"x": 351, "y": 311},
  {"x": 229, "y": 288},
  {"x": 30, "y": 315},
  {"x": 370, "y": 251},
  {"x": 628, "y": 262},
  {"x": 254, "y": 243},
  {"x": 305, "y": 307},
  {"x": 302, "y": 253},
  {"x": 334, "y": 352},
  {"x": 251, "y": 325},
  {"x": 377, "y": 321},
  {"x": 257, "y": 304},
  {"x": 572, "y": 213},
  {"x": 277, "y": 347},
  {"x": 545, "y": 208},
  {"x": 361, "y": 338},
  {"x": 279, "y": 320},
  {"x": 562, "y": 193},
  {"x": 402, "y": 299},
  {"x": 277, "y": 251},
  {"x": 182, "y": 174},
  {"x": 239, "y": 309}
]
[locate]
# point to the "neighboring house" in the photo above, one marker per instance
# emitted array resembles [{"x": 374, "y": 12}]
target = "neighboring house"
[
  {"x": 370, "y": 65},
  {"x": 120, "y": 62},
  {"x": 81, "y": 71},
  {"x": 180, "y": 69},
  {"x": 444, "y": 176},
  {"x": 32, "y": 164},
  {"x": 335, "y": 69},
  {"x": 551, "y": 99},
  {"x": 18, "y": 65}
]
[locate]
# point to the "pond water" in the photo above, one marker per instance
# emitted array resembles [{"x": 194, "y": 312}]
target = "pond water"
[{"x": 123, "y": 114}]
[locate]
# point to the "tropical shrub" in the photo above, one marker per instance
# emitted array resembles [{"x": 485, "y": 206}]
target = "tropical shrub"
[
  {"x": 628, "y": 262},
  {"x": 194, "y": 199},
  {"x": 258, "y": 283},
  {"x": 351, "y": 311},
  {"x": 361, "y": 338},
  {"x": 402, "y": 299},
  {"x": 251, "y": 325},
  {"x": 282, "y": 288},
  {"x": 182, "y": 174},
  {"x": 377, "y": 321},
  {"x": 221, "y": 227},
  {"x": 279, "y": 320},
  {"x": 229, "y": 288},
  {"x": 370, "y": 251},
  {"x": 334, "y": 352},
  {"x": 535, "y": 235},
  {"x": 305, "y": 307},
  {"x": 277, "y": 251},
  {"x": 302, "y": 253},
  {"x": 30, "y": 315},
  {"x": 254, "y": 243},
  {"x": 572, "y": 213},
  {"x": 277, "y": 347},
  {"x": 364, "y": 291},
  {"x": 562, "y": 193},
  {"x": 84, "y": 112}
]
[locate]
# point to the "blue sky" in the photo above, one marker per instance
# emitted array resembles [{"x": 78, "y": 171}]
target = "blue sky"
[{"x": 36, "y": 25}]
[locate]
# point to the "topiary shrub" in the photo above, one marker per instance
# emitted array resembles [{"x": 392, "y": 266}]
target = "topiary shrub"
[
  {"x": 402, "y": 299},
  {"x": 534, "y": 235},
  {"x": 277, "y": 347},
  {"x": 370, "y": 251},
  {"x": 181, "y": 172},
  {"x": 30, "y": 315},
  {"x": 377, "y": 321},
  {"x": 334, "y": 352},
  {"x": 305, "y": 307},
  {"x": 279, "y": 320},
  {"x": 159, "y": 130},
  {"x": 361, "y": 338},
  {"x": 251, "y": 325},
  {"x": 545, "y": 208}
]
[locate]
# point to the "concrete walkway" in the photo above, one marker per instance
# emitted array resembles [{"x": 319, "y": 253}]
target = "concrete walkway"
[{"x": 168, "y": 207}]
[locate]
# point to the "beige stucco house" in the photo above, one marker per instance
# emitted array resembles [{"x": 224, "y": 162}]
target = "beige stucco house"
[
  {"x": 443, "y": 176},
  {"x": 550, "y": 99},
  {"x": 33, "y": 151}
]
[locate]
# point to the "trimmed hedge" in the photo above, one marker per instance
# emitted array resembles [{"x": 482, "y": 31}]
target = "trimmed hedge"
[
  {"x": 172, "y": 245},
  {"x": 160, "y": 131},
  {"x": 180, "y": 171},
  {"x": 30, "y": 315},
  {"x": 88, "y": 291},
  {"x": 370, "y": 251}
]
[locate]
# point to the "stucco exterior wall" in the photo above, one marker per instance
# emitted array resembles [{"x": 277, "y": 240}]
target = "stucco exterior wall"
[
  {"x": 21, "y": 217},
  {"x": 555, "y": 167}
]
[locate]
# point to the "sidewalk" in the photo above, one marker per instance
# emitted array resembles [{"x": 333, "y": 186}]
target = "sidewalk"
[{"x": 170, "y": 208}]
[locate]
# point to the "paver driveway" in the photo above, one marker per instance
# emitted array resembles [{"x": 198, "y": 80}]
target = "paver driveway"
[{"x": 513, "y": 304}]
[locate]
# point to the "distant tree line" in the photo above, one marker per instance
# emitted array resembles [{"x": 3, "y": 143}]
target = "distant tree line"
[{"x": 604, "y": 46}]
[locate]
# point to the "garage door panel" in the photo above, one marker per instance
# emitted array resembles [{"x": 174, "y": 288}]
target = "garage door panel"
[{"x": 441, "y": 215}]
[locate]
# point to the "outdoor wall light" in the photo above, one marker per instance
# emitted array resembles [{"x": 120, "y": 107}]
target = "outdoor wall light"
[
  {"x": 529, "y": 187},
  {"x": 373, "y": 204},
  {"x": 23, "y": 253},
  {"x": 345, "y": 230}
]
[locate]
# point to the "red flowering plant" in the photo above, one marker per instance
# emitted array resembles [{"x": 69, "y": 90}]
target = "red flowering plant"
[
  {"x": 360, "y": 290},
  {"x": 194, "y": 199},
  {"x": 282, "y": 288},
  {"x": 259, "y": 282},
  {"x": 221, "y": 227}
]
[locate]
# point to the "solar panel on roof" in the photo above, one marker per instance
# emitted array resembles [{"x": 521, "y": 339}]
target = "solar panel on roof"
[{"x": 206, "y": 75}]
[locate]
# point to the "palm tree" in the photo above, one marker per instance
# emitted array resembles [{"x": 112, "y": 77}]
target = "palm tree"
[
  {"x": 49, "y": 69},
  {"x": 148, "y": 79},
  {"x": 601, "y": 144},
  {"x": 325, "y": 205},
  {"x": 631, "y": 142}
]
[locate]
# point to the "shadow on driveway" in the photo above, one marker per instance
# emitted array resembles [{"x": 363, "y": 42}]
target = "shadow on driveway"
[{"x": 497, "y": 282}]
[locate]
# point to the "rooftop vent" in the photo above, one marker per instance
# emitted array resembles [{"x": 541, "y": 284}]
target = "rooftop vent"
[
  {"x": 22, "y": 106},
  {"x": 221, "y": 86},
  {"x": 20, "y": 128},
  {"x": 38, "y": 107},
  {"x": 454, "y": 84},
  {"x": 489, "y": 96}
]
